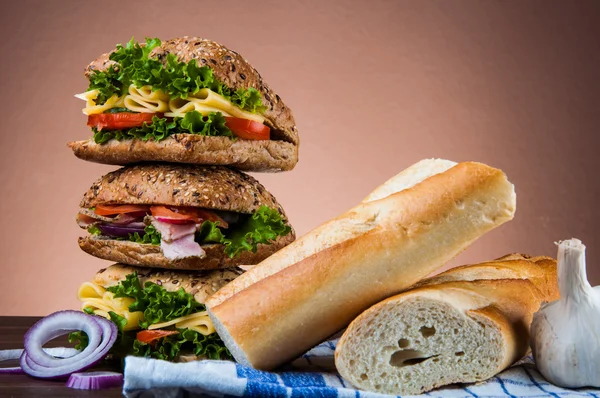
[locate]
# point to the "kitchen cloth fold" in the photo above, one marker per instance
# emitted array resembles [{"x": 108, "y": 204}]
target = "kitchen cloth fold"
[{"x": 312, "y": 375}]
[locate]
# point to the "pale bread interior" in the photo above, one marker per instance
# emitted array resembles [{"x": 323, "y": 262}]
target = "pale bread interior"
[{"x": 411, "y": 346}]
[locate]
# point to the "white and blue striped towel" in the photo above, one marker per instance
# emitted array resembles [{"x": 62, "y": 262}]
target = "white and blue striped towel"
[{"x": 312, "y": 375}]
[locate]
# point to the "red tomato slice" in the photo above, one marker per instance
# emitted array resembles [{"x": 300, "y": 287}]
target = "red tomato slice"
[
  {"x": 118, "y": 121},
  {"x": 183, "y": 215},
  {"x": 149, "y": 336},
  {"x": 212, "y": 216},
  {"x": 109, "y": 210},
  {"x": 248, "y": 129},
  {"x": 175, "y": 213}
]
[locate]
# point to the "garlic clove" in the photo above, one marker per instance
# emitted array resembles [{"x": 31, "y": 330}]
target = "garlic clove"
[{"x": 565, "y": 334}]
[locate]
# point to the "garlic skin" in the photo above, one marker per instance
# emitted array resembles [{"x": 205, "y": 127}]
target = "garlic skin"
[{"x": 565, "y": 334}]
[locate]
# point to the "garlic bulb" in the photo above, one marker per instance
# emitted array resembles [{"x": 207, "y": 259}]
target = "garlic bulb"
[{"x": 565, "y": 334}]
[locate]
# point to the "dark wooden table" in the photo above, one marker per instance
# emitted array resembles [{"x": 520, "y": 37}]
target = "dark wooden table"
[{"x": 12, "y": 329}]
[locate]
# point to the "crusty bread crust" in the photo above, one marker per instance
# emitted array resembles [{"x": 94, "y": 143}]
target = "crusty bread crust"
[
  {"x": 200, "y": 284},
  {"x": 248, "y": 155},
  {"x": 541, "y": 271},
  {"x": 230, "y": 68},
  {"x": 146, "y": 255},
  {"x": 210, "y": 187},
  {"x": 317, "y": 285}
]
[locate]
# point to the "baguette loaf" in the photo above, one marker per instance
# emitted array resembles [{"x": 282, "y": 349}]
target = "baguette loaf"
[
  {"x": 314, "y": 287},
  {"x": 447, "y": 330}
]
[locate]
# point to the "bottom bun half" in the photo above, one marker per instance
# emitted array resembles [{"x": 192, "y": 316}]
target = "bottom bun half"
[
  {"x": 145, "y": 255},
  {"x": 247, "y": 155}
]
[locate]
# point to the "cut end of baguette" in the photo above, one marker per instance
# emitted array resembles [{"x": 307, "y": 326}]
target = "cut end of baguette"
[
  {"x": 237, "y": 353},
  {"x": 411, "y": 346}
]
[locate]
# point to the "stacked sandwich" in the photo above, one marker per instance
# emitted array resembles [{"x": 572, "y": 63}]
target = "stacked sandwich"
[{"x": 182, "y": 117}]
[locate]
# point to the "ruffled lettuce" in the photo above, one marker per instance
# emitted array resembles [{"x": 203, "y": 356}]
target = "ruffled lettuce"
[
  {"x": 263, "y": 226},
  {"x": 168, "y": 348},
  {"x": 157, "y": 304},
  {"x": 177, "y": 79},
  {"x": 160, "y": 128},
  {"x": 150, "y": 236}
]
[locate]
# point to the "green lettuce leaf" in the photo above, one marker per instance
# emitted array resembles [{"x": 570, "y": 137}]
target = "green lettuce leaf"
[
  {"x": 94, "y": 230},
  {"x": 118, "y": 320},
  {"x": 151, "y": 236},
  {"x": 177, "y": 79},
  {"x": 119, "y": 110},
  {"x": 209, "y": 233},
  {"x": 160, "y": 128},
  {"x": 168, "y": 348},
  {"x": 157, "y": 304},
  {"x": 263, "y": 226},
  {"x": 79, "y": 338}
]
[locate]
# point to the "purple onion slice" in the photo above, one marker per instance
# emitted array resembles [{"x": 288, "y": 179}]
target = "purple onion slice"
[
  {"x": 58, "y": 352},
  {"x": 120, "y": 231},
  {"x": 101, "y": 333},
  {"x": 95, "y": 380}
]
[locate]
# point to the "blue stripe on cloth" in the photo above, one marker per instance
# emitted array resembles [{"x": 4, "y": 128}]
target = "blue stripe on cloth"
[
  {"x": 501, "y": 382},
  {"x": 298, "y": 379},
  {"x": 254, "y": 375},
  {"x": 470, "y": 392},
  {"x": 534, "y": 381},
  {"x": 265, "y": 390},
  {"x": 342, "y": 382},
  {"x": 310, "y": 392}
]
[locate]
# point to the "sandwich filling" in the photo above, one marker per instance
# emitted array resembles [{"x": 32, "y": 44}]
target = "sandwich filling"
[
  {"x": 181, "y": 231},
  {"x": 152, "y": 321},
  {"x": 149, "y": 99}
]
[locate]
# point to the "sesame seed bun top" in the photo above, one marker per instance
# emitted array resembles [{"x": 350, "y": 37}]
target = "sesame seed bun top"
[{"x": 211, "y": 187}]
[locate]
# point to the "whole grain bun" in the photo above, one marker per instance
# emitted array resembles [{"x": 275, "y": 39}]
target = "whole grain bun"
[
  {"x": 147, "y": 255},
  {"x": 200, "y": 284},
  {"x": 211, "y": 187},
  {"x": 248, "y": 155}
]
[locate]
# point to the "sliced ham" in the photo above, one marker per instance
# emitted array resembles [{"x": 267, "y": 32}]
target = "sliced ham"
[
  {"x": 87, "y": 217},
  {"x": 85, "y": 221},
  {"x": 171, "y": 232},
  {"x": 177, "y": 240},
  {"x": 182, "y": 248}
]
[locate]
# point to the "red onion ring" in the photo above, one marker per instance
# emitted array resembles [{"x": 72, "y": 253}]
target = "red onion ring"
[
  {"x": 7, "y": 355},
  {"x": 101, "y": 333},
  {"x": 95, "y": 380}
]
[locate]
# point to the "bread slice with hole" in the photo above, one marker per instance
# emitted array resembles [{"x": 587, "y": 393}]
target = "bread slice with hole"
[
  {"x": 406, "y": 229},
  {"x": 447, "y": 330}
]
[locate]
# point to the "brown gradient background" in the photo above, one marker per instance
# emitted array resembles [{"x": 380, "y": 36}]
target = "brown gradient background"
[{"x": 375, "y": 86}]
